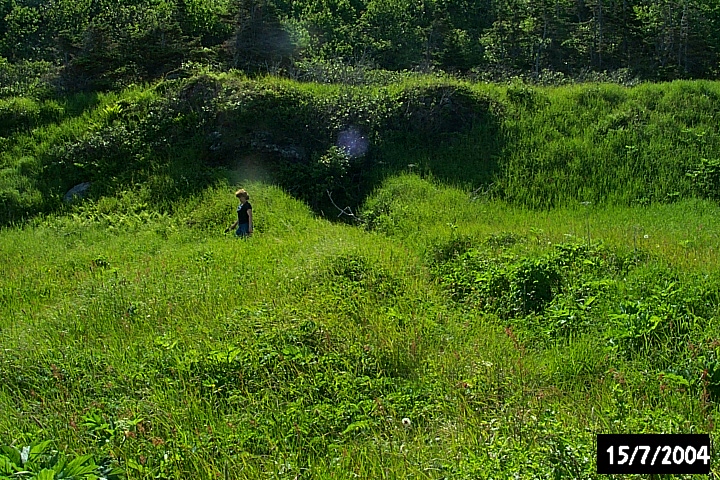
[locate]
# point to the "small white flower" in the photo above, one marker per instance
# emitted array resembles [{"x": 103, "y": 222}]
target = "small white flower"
[
  {"x": 646, "y": 236},
  {"x": 406, "y": 422}
]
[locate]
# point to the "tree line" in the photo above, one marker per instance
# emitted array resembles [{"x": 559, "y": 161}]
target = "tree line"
[{"x": 103, "y": 43}]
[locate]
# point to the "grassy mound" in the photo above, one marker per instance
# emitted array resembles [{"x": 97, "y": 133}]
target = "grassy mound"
[{"x": 531, "y": 146}]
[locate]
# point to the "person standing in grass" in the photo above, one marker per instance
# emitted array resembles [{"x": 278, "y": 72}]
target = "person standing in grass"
[{"x": 244, "y": 221}]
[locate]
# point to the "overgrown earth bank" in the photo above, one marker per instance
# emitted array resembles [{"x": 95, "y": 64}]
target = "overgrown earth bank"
[{"x": 538, "y": 147}]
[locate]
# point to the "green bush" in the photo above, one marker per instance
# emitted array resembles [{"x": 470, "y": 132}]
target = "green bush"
[
  {"x": 26, "y": 78},
  {"x": 502, "y": 285}
]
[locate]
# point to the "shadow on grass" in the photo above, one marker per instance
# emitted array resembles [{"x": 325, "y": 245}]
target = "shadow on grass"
[
  {"x": 446, "y": 131},
  {"x": 326, "y": 147},
  {"x": 77, "y": 104}
]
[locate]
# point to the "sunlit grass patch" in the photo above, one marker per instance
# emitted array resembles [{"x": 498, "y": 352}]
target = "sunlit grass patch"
[{"x": 179, "y": 350}]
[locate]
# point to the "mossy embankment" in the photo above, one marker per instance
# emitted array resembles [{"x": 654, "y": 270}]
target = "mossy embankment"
[{"x": 538, "y": 147}]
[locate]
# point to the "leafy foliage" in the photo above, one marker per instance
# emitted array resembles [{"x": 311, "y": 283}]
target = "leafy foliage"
[
  {"x": 706, "y": 178},
  {"x": 40, "y": 461},
  {"x": 104, "y": 45},
  {"x": 330, "y": 145}
]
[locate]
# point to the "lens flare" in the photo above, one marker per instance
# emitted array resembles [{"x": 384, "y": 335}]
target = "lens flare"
[{"x": 352, "y": 142}]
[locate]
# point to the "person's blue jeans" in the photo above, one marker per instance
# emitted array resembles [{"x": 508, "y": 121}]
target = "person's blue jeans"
[{"x": 243, "y": 230}]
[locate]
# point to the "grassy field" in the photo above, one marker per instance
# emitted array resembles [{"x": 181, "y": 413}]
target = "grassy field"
[
  {"x": 534, "y": 266},
  {"x": 451, "y": 335}
]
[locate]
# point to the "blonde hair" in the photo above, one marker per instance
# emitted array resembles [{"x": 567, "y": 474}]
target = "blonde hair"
[{"x": 242, "y": 193}]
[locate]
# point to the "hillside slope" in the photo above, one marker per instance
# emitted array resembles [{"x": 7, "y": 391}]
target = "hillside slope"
[{"x": 537, "y": 147}]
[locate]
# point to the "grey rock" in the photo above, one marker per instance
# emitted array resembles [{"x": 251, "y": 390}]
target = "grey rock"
[{"x": 78, "y": 192}]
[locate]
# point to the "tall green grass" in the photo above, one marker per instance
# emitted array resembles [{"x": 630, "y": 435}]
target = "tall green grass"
[
  {"x": 544, "y": 270},
  {"x": 608, "y": 144},
  {"x": 157, "y": 341},
  {"x": 33, "y": 130}
]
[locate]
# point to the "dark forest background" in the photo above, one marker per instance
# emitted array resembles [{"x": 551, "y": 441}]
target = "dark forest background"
[{"x": 104, "y": 44}]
